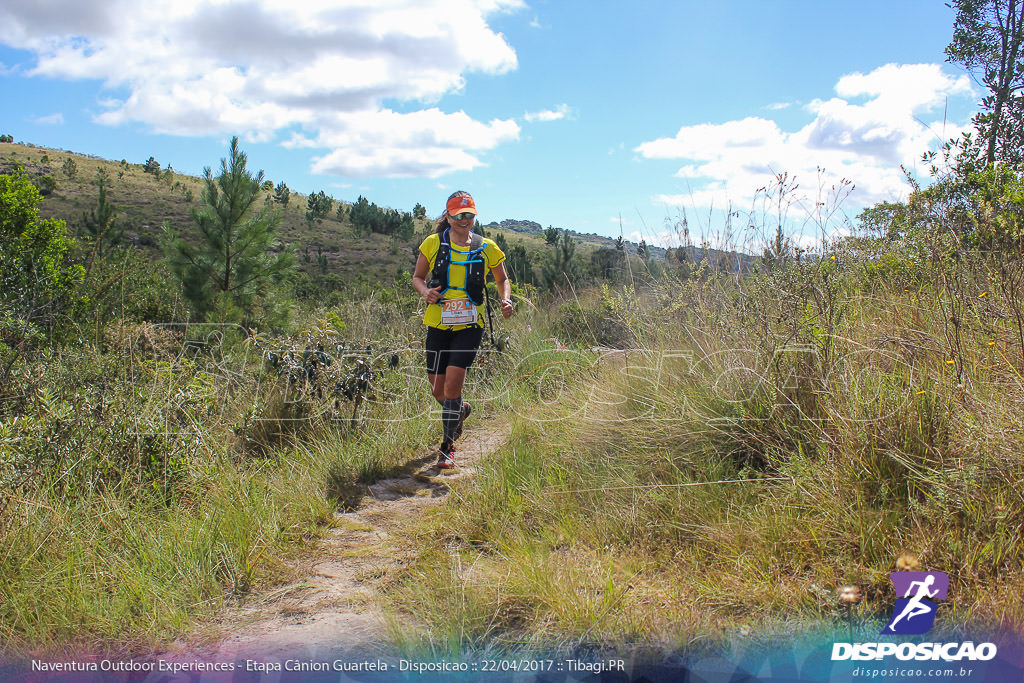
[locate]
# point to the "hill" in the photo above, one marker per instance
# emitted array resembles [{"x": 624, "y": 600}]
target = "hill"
[
  {"x": 694, "y": 254},
  {"x": 527, "y": 227},
  {"x": 330, "y": 252},
  {"x": 326, "y": 247},
  {"x": 147, "y": 200}
]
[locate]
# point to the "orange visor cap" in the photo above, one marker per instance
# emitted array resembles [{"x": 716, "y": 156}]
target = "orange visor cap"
[{"x": 457, "y": 205}]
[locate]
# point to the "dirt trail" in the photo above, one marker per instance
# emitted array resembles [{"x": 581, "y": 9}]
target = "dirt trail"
[{"x": 333, "y": 610}]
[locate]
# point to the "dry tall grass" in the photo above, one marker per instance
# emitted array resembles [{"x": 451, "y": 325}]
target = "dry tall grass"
[
  {"x": 773, "y": 438},
  {"x": 151, "y": 478}
]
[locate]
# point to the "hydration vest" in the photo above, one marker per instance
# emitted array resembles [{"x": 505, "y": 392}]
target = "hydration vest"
[{"x": 473, "y": 263}]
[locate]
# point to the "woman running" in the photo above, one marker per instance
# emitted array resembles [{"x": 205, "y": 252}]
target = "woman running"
[{"x": 456, "y": 261}]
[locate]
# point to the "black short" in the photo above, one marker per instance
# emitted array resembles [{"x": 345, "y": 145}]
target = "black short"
[{"x": 447, "y": 347}]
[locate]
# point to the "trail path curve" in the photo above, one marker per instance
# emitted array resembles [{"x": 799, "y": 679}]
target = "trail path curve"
[{"x": 333, "y": 610}]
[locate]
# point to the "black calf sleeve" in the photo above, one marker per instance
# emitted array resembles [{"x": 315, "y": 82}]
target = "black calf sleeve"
[{"x": 451, "y": 412}]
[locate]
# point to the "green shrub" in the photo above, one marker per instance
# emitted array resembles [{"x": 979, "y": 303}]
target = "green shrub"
[
  {"x": 604, "y": 322},
  {"x": 46, "y": 184},
  {"x": 69, "y": 168},
  {"x": 127, "y": 286},
  {"x": 37, "y": 280}
]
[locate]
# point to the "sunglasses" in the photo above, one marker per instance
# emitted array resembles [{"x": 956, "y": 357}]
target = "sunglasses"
[{"x": 463, "y": 216}]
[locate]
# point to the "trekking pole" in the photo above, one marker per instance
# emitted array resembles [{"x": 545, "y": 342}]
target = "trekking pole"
[{"x": 487, "y": 306}]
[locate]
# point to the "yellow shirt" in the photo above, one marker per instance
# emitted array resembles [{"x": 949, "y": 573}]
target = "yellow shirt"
[{"x": 457, "y": 276}]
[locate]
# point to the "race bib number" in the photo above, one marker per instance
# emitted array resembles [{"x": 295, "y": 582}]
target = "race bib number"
[{"x": 458, "y": 312}]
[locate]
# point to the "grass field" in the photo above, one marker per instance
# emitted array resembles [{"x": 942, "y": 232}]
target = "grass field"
[{"x": 767, "y": 442}]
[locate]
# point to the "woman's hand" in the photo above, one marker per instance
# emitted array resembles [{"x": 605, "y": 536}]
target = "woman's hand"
[
  {"x": 504, "y": 289},
  {"x": 432, "y": 296}
]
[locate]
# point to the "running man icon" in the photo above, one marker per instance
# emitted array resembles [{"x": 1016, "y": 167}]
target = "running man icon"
[{"x": 914, "y": 612}]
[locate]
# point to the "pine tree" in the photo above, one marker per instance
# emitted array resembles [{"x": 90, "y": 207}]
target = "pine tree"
[
  {"x": 563, "y": 268},
  {"x": 321, "y": 260},
  {"x": 502, "y": 243},
  {"x": 99, "y": 222},
  {"x": 519, "y": 266},
  {"x": 604, "y": 263},
  {"x": 406, "y": 228},
  {"x": 282, "y": 194},
  {"x": 70, "y": 168},
  {"x": 318, "y": 206},
  {"x": 779, "y": 252},
  {"x": 234, "y": 263}
]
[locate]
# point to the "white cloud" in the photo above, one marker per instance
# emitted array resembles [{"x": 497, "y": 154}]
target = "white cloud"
[
  {"x": 713, "y": 197},
  {"x": 50, "y": 120},
  {"x": 662, "y": 239},
  {"x": 264, "y": 69},
  {"x": 562, "y": 111},
  {"x": 776, "y": 106},
  {"x": 427, "y": 143},
  {"x": 873, "y": 125},
  {"x": 808, "y": 242}
]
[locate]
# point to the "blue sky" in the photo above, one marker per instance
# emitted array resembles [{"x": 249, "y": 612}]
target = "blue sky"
[{"x": 591, "y": 115}]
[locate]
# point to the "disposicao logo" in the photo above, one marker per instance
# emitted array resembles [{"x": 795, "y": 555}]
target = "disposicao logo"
[{"x": 914, "y": 614}]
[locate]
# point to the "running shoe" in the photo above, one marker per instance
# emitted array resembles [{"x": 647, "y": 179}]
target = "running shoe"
[{"x": 446, "y": 457}]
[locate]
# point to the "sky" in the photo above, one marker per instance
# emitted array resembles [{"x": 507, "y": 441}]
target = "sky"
[{"x": 603, "y": 117}]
